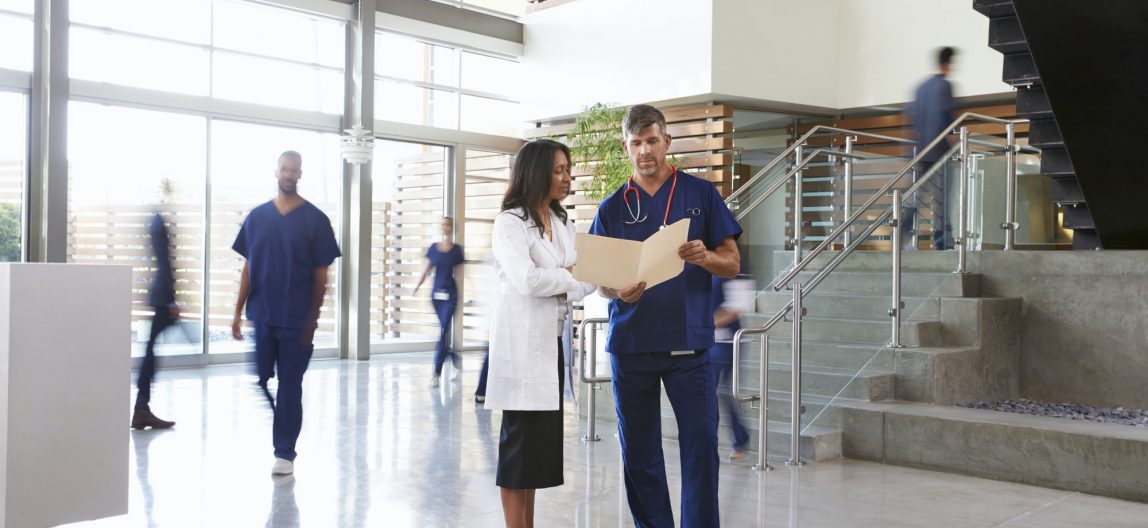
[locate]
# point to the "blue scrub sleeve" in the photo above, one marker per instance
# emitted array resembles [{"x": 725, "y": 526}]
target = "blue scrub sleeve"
[
  {"x": 240, "y": 244},
  {"x": 599, "y": 227},
  {"x": 721, "y": 223},
  {"x": 326, "y": 249}
]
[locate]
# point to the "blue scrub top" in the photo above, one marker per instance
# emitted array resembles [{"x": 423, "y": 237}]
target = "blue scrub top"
[
  {"x": 719, "y": 299},
  {"x": 282, "y": 253},
  {"x": 676, "y": 314},
  {"x": 444, "y": 264}
]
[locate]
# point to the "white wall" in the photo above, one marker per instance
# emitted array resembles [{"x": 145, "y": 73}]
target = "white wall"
[
  {"x": 841, "y": 54},
  {"x": 888, "y": 46},
  {"x": 820, "y": 54},
  {"x": 615, "y": 51},
  {"x": 777, "y": 50}
]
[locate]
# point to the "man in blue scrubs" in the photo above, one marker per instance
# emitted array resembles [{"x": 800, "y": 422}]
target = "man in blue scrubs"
[
  {"x": 660, "y": 336},
  {"x": 931, "y": 113},
  {"x": 288, "y": 244}
]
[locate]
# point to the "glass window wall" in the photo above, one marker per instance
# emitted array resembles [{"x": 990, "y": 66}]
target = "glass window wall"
[
  {"x": 13, "y": 168},
  {"x": 16, "y": 35},
  {"x": 487, "y": 176},
  {"x": 408, "y": 186},
  {"x": 120, "y": 177},
  {"x": 244, "y": 160}
]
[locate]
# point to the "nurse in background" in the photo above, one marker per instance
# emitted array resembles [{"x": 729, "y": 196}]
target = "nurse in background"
[
  {"x": 443, "y": 257},
  {"x": 533, "y": 245},
  {"x": 731, "y": 298}
]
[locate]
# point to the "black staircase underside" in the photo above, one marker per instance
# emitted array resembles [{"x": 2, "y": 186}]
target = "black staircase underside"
[{"x": 1092, "y": 59}]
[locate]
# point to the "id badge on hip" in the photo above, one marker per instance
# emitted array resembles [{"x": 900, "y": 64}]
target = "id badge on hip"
[{"x": 440, "y": 296}]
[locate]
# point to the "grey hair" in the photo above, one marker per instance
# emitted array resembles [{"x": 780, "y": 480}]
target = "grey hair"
[{"x": 641, "y": 116}]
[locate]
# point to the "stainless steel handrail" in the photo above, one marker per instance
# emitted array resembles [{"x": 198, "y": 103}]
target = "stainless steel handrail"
[
  {"x": 763, "y": 396},
  {"x": 801, "y": 142},
  {"x": 803, "y": 290},
  {"x": 788, "y": 276},
  {"x": 805, "y": 161},
  {"x": 591, "y": 397}
]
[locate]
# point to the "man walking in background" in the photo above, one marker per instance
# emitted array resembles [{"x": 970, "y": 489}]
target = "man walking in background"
[
  {"x": 161, "y": 297},
  {"x": 931, "y": 113},
  {"x": 288, "y": 244}
]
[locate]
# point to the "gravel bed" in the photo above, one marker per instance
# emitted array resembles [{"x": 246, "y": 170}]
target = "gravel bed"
[{"x": 1073, "y": 411}]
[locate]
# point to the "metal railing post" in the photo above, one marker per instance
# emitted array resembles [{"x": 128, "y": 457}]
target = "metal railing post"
[
  {"x": 963, "y": 204},
  {"x": 895, "y": 311},
  {"x": 849, "y": 185},
  {"x": 763, "y": 412},
  {"x": 795, "y": 388},
  {"x": 588, "y": 375},
  {"x": 1010, "y": 225},
  {"x": 914, "y": 237},
  {"x": 797, "y": 212}
]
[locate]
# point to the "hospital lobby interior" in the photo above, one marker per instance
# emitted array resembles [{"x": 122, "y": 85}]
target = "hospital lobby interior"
[{"x": 940, "y": 329}]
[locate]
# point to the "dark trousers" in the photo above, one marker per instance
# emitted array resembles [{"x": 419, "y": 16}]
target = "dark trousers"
[
  {"x": 283, "y": 349},
  {"x": 481, "y": 390},
  {"x": 938, "y": 186},
  {"x": 445, "y": 312},
  {"x": 721, "y": 354},
  {"x": 689, "y": 382},
  {"x": 159, "y": 322}
]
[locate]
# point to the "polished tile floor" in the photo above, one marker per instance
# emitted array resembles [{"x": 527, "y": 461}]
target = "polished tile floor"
[{"x": 381, "y": 448}]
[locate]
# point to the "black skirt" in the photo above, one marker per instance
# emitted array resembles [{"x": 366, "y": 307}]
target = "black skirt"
[{"x": 530, "y": 446}]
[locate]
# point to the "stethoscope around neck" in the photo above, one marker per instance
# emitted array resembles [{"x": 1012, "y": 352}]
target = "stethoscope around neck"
[{"x": 636, "y": 215}]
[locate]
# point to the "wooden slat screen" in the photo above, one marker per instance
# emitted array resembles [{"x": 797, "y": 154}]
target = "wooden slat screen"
[
  {"x": 823, "y": 184},
  {"x": 702, "y": 142}
]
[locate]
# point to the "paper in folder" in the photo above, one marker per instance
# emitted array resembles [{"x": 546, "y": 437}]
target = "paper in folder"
[{"x": 618, "y": 263}]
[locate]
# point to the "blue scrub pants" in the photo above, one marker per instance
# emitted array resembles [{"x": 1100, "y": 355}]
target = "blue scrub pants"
[
  {"x": 721, "y": 354},
  {"x": 445, "y": 312},
  {"x": 690, "y": 386},
  {"x": 159, "y": 322},
  {"x": 481, "y": 389},
  {"x": 283, "y": 348},
  {"x": 938, "y": 186}
]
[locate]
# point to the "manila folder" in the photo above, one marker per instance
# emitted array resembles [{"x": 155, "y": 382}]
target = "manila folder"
[{"x": 618, "y": 263}]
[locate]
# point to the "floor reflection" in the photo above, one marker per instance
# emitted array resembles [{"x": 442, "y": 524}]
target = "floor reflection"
[
  {"x": 381, "y": 449},
  {"x": 284, "y": 508}
]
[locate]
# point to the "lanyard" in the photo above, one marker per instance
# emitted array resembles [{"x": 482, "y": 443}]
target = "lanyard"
[{"x": 638, "y": 199}]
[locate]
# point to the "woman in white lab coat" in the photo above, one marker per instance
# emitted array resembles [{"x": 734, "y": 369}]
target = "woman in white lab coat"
[{"x": 533, "y": 245}]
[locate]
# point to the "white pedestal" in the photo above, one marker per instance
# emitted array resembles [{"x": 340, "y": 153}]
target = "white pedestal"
[{"x": 64, "y": 363}]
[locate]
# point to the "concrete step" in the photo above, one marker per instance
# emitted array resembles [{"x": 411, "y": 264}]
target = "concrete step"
[
  {"x": 868, "y": 385},
  {"x": 877, "y": 261},
  {"x": 1086, "y": 457},
  {"x": 857, "y": 331},
  {"x": 827, "y": 354},
  {"x": 880, "y": 283},
  {"x": 817, "y": 443},
  {"x": 840, "y": 304},
  {"x": 820, "y": 411}
]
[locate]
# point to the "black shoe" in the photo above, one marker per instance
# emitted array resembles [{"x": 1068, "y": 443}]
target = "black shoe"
[{"x": 143, "y": 419}]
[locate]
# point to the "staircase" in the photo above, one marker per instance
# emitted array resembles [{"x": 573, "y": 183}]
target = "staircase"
[
  {"x": 865, "y": 400},
  {"x": 845, "y": 360},
  {"x": 1007, "y": 37},
  {"x": 1078, "y": 97}
]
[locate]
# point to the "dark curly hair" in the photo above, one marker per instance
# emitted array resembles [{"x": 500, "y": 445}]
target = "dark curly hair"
[{"x": 530, "y": 180}]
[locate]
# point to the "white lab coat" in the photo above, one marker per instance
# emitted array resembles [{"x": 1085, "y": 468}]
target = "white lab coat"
[{"x": 526, "y": 314}]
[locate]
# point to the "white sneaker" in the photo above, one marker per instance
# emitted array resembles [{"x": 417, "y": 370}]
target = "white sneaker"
[
  {"x": 434, "y": 381},
  {"x": 456, "y": 369},
  {"x": 283, "y": 467}
]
